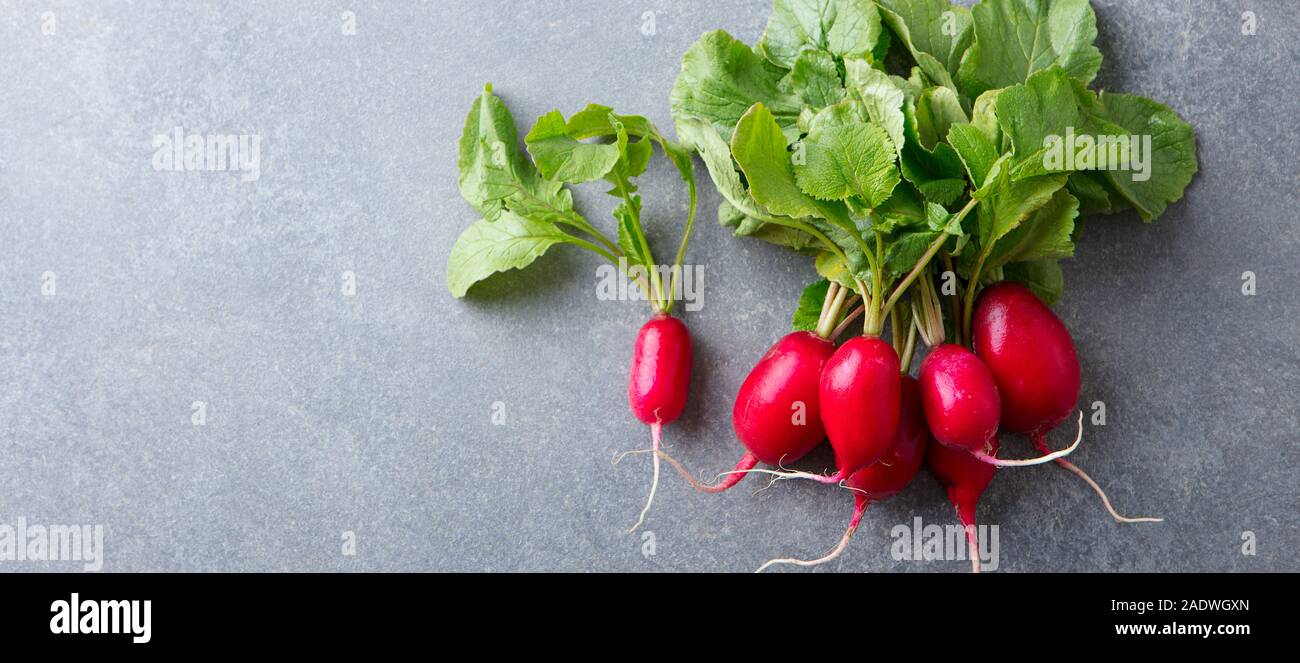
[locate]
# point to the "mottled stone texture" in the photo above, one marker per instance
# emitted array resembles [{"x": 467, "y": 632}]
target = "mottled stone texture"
[{"x": 372, "y": 413}]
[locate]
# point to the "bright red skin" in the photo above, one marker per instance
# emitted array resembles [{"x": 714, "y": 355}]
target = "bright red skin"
[
  {"x": 963, "y": 475},
  {"x": 765, "y": 407},
  {"x": 859, "y": 393},
  {"x": 1030, "y": 355},
  {"x": 893, "y": 471},
  {"x": 661, "y": 370},
  {"x": 961, "y": 399}
]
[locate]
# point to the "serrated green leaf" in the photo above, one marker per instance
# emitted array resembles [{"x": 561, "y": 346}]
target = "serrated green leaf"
[
  {"x": 721, "y": 78},
  {"x": 843, "y": 28},
  {"x": 1015, "y": 38},
  {"x": 936, "y": 33},
  {"x": 816, "y": 79},
  {"x": 760, "y": 149},
  {"x": 848, "y": 160},
  {"x": 880, "y": 97},
  {"x": 975, "y": 149},
  {"x": 1046, "y": 235},
  {"x": 561, "y": 157},
  {"x": 1172, "y": 157},
  {"x": 488, "y": 247}
]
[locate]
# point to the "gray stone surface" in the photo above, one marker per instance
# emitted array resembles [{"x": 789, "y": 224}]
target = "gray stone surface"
[{"x": 371, "y": 413}]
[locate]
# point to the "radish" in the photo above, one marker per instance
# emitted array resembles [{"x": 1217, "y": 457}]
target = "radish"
[
  {"x": 965, "y": 477},
  {"x": 889, "y": 474},
  {"x": 1031, "y": 357},
  {"x": 859, "y": 394},
  {"x": 659, "y": 381},
  {"x": 963, "y": 407}
]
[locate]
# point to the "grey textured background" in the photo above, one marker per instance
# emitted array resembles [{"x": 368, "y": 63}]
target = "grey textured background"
[{"x": 371, "y": 413}]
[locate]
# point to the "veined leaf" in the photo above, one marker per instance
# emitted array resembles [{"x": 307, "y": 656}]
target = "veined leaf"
[
  {"x": 559, "y": 156},
  {"x": 1171, "y": 161},
  {"x": 809, "y": 310},
  {"x": 721, "y": 78},
  {"x": 816, "y": 79},
  {"x": 848, "y": 160},
  {"x": 936, "y": 33},
  {"x": 843, "y": 28},
  {"x": 760, "y": 148},
  {"x": 1016, "y": 38},
  {"x": 1042, "y": 277},
  {"x": 488, "y": 247}
]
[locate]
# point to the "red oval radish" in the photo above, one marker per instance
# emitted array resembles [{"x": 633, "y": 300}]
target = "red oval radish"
[
  {"x": 777, "y": 413},
  {"x": 1031, "y": 356},
  {"x": 659, "y": 381},
  {"x": 859, "y": 401},
  {"x": 960, "y": 397},
  {"x": 965, "y": 478},
  {"x": 661, "y": 370},
  {"x": 888, "y": 475}
]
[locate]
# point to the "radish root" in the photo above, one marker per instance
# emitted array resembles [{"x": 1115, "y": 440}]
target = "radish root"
[
  {"x": 788, "y": 474},
  {"x": 1041, "y": 443},
  {"x": 726, "y": 479},
  {"x": 655, "y": 430},
  {"x": 860, "y": 507},
  {"x": 999, "y": 462}
]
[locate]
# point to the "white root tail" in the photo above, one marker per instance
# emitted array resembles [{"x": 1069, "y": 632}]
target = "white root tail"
[
  {"x": 655, "y": 430},
  {"x": 999, "y": 462},
  {"x": 1105, "y": 500}
]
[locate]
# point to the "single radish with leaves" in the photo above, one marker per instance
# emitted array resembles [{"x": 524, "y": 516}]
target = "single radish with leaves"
[{"x": 527, "y": 208}]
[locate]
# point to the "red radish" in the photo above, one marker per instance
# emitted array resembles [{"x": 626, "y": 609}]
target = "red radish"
[
  {"x": 1031, "y": 357},
  {"x": 776, "y": 415},
  {"x": 888, "y": 475},
  {"x": 962, "y": 404},
  {"x": 961, "y": 400},
  {"x": 660, "y": 378},
  {"x": 859, "y": 393},
  {"x": 965, "y": 477}
]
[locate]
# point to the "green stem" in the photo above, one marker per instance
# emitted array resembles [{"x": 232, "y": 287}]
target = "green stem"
[
  {"x": 827, "y": 324},
  {"x": 971, "y": 286},
  {"x": 925, "y": 259},
  {"x": 953, "y": 300},
  {"x": 681, "y": 248},
  {"x": 905, "y": 361}
]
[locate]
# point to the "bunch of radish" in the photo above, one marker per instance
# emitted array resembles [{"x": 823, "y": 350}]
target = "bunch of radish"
[{"x": 920, "y": 170}]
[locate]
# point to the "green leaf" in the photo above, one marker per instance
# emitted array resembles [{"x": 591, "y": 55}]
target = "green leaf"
[
  {"x": 816, "y": 79},
  {"x": 809, "y": 310},
  {"x": 936, "y": 33},
  {"x": 907, "y": 250},
  {"x": 1046, "y": 235},
  {"x": 830, "y": 266},
  {"x": 1096, "y": 194},
  {"x": 937, "y": 110},
  {"x": 843, "y": 28},
  {"x": 561, "y": 157},
  {"x": 880, "y": 98},
  {"x": 488, "y": 247},
  {"x": 721, "y": 78},
  {"x": 1015, "y": 38},
  {"x": 977, "y": 152},
  {"x": 628, "y": 214},
  {"x": 760, "y": 148},
  {"x": 849, "y": 160},
  {"x": 1046, "y": 105},
  {"x": 1171, "y": 160},
  {"x": 1042, "y": 277},
  {"x": 493, "y": 169},
  {"x": 1011, "y": 202}
]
